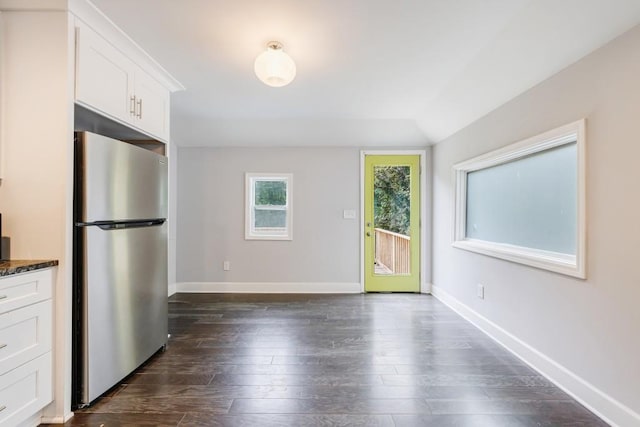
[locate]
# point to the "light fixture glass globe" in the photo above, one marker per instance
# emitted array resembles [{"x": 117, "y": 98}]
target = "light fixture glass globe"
[{"x": 274, "y": 67}]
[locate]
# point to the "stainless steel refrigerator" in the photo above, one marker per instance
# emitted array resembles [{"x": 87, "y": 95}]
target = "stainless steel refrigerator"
[{"x": 120, "y": 261}]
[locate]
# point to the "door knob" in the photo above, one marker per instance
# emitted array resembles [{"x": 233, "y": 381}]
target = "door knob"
[{"x": 368, "y": 234}]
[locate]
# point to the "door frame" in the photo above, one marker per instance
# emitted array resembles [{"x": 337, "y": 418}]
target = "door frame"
[{"x": 425, "y": 225}]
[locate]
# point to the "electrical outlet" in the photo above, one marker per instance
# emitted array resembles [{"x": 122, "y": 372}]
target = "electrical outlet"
[
  {"x": 226, "y": 266},
  {"x": 480, "y": 291}
]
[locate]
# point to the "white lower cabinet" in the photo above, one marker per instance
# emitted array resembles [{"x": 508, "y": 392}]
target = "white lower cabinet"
[
  {"x": 24, "y": 334},
  {"x": 25, "y": 390},
  {"x": 26, "y": 319}
]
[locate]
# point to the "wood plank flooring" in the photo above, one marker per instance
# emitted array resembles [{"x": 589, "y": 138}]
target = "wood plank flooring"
[{"x": 330, "y": 360}]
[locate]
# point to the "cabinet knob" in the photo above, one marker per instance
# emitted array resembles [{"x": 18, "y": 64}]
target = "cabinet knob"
[{"x": 139, "y": 115}]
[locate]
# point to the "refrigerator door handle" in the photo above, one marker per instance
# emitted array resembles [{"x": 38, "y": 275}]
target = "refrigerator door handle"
[{"x": 120, "y": 225}]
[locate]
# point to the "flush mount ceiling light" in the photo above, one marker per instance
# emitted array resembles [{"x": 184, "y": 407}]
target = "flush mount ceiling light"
[{"x": 274, "y": 67}]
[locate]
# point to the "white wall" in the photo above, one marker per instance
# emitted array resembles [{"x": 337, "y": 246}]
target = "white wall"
[
  {"x": 325, "y": 247},
  {"x": 589, "y": 327},
  {"x": 37, "y": 149}
]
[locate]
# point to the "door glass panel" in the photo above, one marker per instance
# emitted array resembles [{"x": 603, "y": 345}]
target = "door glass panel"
[{"x": 391, "y": 211}]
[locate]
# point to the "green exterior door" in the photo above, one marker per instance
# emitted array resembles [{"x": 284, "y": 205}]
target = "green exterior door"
[{"x": 392, "y": 223}]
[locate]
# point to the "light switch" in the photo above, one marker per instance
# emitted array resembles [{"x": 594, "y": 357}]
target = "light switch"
[{"x": 349, "y": 214}]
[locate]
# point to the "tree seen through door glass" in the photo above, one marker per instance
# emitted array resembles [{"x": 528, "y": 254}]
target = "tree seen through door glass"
[
  {"x": 391, "y": 210},
  {"x": 270, "y": 204}
]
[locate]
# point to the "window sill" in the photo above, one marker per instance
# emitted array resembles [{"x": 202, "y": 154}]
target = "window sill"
[
  {"x": 258, "y": 237},
  {"x": 546, "y": 260}
]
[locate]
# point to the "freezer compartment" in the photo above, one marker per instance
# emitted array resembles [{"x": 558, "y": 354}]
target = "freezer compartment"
[
  {"x": 118, "y": 181},
  {"x": 124, "y": 292}
]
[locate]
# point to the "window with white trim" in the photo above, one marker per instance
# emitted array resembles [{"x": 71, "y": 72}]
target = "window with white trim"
[
  {"x": 526, "y": 202},
  {"x": 268, "y": 213}
]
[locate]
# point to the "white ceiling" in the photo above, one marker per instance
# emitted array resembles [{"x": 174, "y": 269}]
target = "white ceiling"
[{"x": 370, "y": 72}]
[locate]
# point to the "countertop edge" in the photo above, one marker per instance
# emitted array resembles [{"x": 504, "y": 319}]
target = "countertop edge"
[{"x": 11, "y": 267}]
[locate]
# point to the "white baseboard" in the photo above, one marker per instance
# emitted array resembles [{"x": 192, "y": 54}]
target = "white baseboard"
[
  {"x": 270, "y": 287},
  {"x": 172, "y": 289},
  {"x": 56, "y": 420},
  {"x": 600, "y": 403}
]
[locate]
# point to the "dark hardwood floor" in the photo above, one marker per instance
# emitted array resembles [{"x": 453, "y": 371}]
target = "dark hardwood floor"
[{"x": 330, "y": 360}]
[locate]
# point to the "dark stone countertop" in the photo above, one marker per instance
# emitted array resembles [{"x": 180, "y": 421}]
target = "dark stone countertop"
[{"x": 7, "y": 268}]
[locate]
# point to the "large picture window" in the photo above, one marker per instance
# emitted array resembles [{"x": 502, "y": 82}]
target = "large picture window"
[
  {"x": 525, "y": 202},
  {"x": 268, "y": 207}
]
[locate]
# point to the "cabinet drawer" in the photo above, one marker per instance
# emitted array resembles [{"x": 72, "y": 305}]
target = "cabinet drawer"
[
  {"x": 25, "y": 390},
  {"x": 25, "y": 334},
  {"x": 24, "y": 289}
]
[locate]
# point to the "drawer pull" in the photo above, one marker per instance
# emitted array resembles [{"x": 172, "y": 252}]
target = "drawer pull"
[
  {"x": 3, "y": 296},
  {"x": 2, "y": 408},
  {"x": 132, "y": 110},
  {"x": 2, "y": 346}
]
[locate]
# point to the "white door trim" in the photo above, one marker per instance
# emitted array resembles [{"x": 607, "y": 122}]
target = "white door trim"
[{"x": 424, "y": 277}]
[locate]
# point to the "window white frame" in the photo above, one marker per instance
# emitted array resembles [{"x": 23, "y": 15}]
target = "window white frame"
[
  {"x": 267, "y": 233},
  {"x": 572, "y": 265}
]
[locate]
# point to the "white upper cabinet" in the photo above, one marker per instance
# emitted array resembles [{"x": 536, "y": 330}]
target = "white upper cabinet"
[
  {"x": 108, "y": 82},
  {"x": 104, "y": 76},
  {"x": 151, "y": 105}
]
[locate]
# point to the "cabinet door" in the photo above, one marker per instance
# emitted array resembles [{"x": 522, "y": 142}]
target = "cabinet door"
[
  {"x": 104, "y": 76},
  {"x": 25, "y": 334},
  {"x": 26, "y": 390},
  {"x": 152, "y": 108}
]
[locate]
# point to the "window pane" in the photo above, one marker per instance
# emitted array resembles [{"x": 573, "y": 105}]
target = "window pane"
[
  {"x": 269, "y": 218},
  {"x": 271, "y": 193},
  {"x": 530, "y": 202}
]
